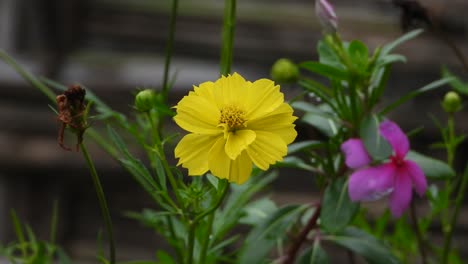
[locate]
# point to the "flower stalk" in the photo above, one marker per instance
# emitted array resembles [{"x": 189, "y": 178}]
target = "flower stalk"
[
  {"x": 229, "y": 27},
  {"x": 170, "y": 48},
  {"x": 102, "y": 201}
]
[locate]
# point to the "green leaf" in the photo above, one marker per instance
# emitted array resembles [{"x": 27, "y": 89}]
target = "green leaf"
[
  {"x": 295, "y": 163},
  {"x": 325, "y": 70},
  {"x": 264, "y": 236},
  {"x": 455, "y": 82},
  {"x": 411, "y": 95},
  {"x": 304, "y": 145},
  {"x": 257, "y": 211},
  {"x": 165, "y": 258},
  {"x": 314, "y": 255},
  {"x": 328, "y": 56},
  {"x": 389, "y": 59},
  {"x": 377, "y": 147},
  {"x": 432, "y": 168},
  {"x": 359, "y": 54},
  {"x": 364, "y": 244},
  {"x": 321, "y": 118},
  {"x": 337, "y": 208},
  {"x": 392, "y": 45}
]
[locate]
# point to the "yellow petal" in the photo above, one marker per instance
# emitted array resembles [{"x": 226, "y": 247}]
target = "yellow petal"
[
  {"x": 223, "y": 167},
  {"x": 218, "y": 161},
  {"x": 230, "y": 90},
  {"x": 238, "y": 141},
  {"x": 263, "y": 98},
  {"x": 241, "y": 168},
  {"x": 193, "y": 151},
  {"x": 267, "y": 149},
  {"x": 198, "y": 115},
  {"x": 205, "y": 90},
  {"x": 279, "y": 122}
]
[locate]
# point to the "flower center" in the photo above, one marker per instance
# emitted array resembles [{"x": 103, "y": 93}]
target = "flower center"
[
  {"x": 398, "y": 162},
  {"x": 232, "y": 118}
]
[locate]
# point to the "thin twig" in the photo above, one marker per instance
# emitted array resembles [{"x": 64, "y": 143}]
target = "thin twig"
[{"x": 301, "y": 238}]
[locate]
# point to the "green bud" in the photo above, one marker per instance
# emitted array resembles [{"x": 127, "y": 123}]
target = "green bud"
[
  {"x": 145, "y": 100},
  {"x": 284, "y": 71},
  {"x": 452, "y": 102}
]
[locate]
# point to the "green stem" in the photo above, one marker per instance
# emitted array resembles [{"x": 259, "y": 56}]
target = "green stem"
[
  {"x": 419, "y": 235},
  {"x": 193, "y": 225},
  {"x": 162, "y": 156},
  {"x": 28, "y": 76},
  {"x": 19, "y": 233},
  {"x": 453, "y": 221},
  {"x": 102, "y": 201},
  {"x": 229, "y": 26},
  {"x": 191, "y": 242},
  {"x": 451, "y": 144},
  {"x": 208, "y": 238},
  {"x": 170, "y": 48},
  {"x": 53, "y": 223}
]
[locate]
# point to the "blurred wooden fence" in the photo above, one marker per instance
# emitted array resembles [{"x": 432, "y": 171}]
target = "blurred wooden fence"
[{"x": 114, "y": 46}]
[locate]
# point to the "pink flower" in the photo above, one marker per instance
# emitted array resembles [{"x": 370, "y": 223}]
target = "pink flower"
[
  {"x": 326, "y": 16},
  {"x": 397, "y": 177}
]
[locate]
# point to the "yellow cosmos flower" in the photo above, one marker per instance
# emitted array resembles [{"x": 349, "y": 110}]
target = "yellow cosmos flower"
[{"x": 233, "y": 123}]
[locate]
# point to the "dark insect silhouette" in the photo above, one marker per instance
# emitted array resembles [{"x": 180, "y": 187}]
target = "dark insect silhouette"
[{"x": 71, "y": 111}]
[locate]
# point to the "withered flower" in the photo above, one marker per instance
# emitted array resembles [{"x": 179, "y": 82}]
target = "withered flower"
[{"x": 72, "y": 113}]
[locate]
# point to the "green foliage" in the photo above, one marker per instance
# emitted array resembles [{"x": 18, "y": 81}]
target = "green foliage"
[
  {"x": 268, "y": 233},
  {"x": 377, "y": 147},
  {"x": 199, "y": 217},
  {"x": 314, "y": 255},
  {"x": 364, "y": 244},
  {"x": 337, "y": 208},
  {"x": 433, "y": 168}
]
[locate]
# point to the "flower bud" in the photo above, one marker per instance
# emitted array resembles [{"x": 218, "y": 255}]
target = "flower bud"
[
  {"x": 145, "y": 100},
  {"x": 326, "y": 16},
  {"x": 451, "y": 102},
  {"x": 284, "y": 71}
]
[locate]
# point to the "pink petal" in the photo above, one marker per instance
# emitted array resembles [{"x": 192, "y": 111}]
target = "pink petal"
[
  {"x": 396, "y": 137},
  {"x": 356, "y": 155},
  {"x": 371, "y": 183},
  {"x": 417, "y": 176},
  {"x": 401, "y": 196}
]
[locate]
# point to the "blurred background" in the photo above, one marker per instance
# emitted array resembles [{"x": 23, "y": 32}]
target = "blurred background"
[{"x": 115, "y": 46}]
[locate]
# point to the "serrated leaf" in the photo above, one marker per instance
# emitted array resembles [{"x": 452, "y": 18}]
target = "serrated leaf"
[
  {"x": 377, "y": 147},
  {"x": 432, "y": 168},
  {"x": 364, "y": 244},
  {"x": 337, "y": 208}
]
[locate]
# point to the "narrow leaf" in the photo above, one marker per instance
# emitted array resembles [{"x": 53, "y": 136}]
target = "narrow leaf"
[
  {"x": 364, "y": 244},
  {"x": 411, "y": 95}
]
